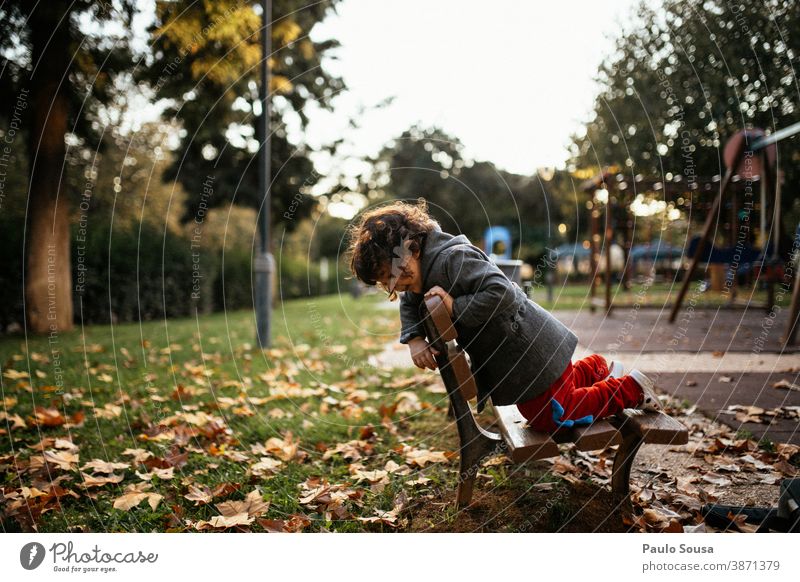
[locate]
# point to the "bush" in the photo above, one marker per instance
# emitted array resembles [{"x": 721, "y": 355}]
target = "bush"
[{"x": 133, "y": 276}]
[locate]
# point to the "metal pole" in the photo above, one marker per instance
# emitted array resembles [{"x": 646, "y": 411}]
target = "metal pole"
[
  {"x": 609, "y": 236},
  {"x": 264, "y": 264},
  {"x": 766, "y": 140},
  {"x": 701, "y": 245}
]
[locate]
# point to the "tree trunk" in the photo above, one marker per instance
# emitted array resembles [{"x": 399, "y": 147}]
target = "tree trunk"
[{"x": 48, "y": 277}]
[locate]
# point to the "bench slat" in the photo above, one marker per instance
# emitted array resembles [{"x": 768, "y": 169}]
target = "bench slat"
[
  {"x": 523, "y": 443},
  {"x": 596, "y": 436},
  {"x": 656, "y": 428}
]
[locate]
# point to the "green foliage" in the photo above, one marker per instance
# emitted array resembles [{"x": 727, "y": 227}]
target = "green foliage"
[
  {"x": 468, "y": 196},
  {"x": 684, "y": 78},
  {"x": 205, "y": 68},
  {"x": 102, "y": 53}
]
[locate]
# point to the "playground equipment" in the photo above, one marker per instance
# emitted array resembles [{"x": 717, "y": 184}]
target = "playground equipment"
[
  {"x": 750, "y": 158},
  {"x": 497, "y": 244},
  {"x": 610, "y": 191}
]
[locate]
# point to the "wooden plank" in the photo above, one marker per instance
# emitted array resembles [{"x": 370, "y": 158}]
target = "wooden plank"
[
  {"x": 461, "y": 369},
  {"x": 596, "y": 436},
  {"x": 655, "y": 427},
  {"x": 440, "y": 317},
  {"x": 523, "y": 443}
]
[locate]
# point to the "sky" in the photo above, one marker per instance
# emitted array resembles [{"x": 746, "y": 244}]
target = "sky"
[{"x": 511, "y": 79}]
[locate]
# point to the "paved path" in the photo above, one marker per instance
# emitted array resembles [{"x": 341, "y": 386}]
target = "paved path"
[{"x": 648, "y": 330}]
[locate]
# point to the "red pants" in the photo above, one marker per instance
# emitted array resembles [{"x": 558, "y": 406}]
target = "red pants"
[{"x": 581, "y": 391}]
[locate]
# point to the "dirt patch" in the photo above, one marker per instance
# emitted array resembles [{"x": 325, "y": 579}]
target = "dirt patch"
[{"x": 578, "y": 507}]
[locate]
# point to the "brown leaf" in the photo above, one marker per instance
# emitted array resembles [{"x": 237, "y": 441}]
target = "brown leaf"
[
  {"x": 47, "y": 417},
  {"x": 266, "y": 466},
  {"x": 200, "y": 495},
  {"x": 716, "y": 479},
  {"x": 101, "y": 466},
  {"x": 285, "y": 449},
  {"x": 421, "y": 457},
  {"x": 367, "y": 433},
  {"x": 134, "y": 495},
  {"x": 225, "y": 521},
  {"x": 295, "y": 523},
  {"x": 128, "y": 500},
  {"x": 139, "y": 455},
  {"x": 63, "y": 459},
  {"x": 98, "y": 481},
  {"x": 684, "y": 484},
  {"x": 253, "y": 505},
  {"x": 786, "y": 385}
]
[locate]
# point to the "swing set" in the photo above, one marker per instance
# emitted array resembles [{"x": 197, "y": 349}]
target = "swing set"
[{"x": 750, "y": 158}]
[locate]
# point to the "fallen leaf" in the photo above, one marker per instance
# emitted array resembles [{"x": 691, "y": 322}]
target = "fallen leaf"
[
  {"x": 101, "y": 466},
  {"x": 253, "y": 505},
  {"x": 47, "y": 417},
  {"x": 63, "y": 459},
  {"x": 225, "y": 521},
  {"x": 134, "y": 495},
  {"x": 786, "y": 385},
  {"x": 99, "y": 481},
  {"x": 200, "y": 495},
  {"x": 716, "y": 479},
  {"x": 421, "y": 457},
  {"x": 265, "y": 466}
]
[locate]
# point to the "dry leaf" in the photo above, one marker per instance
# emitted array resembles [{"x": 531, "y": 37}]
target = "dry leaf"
[
  {"x": 200, "y": 495},
  {"x": 421, "y": 457},
  {"x": 98, "y": 481},
  {"x": 101, "y": 466},
  {"x": 716, "y": 479},
  {"x": 63, "y": 459},
  {"x": 786, "y": 385},
  {"x": 253, "y": 505},
  {"x": 225, "y": 521}
]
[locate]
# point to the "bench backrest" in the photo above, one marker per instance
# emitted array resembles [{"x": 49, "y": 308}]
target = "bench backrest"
[{"x": 452, "y": 361}]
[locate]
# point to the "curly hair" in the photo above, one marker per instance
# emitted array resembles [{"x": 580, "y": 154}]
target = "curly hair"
[{"x": 378, "y": 232}]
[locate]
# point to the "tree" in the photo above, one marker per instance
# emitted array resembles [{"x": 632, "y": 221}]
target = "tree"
[
  {"x": 465, "y": 195},
  {"x": 54, "y": 71},
  {"x": 204, "y": 66},
  {"x": 684, "y": 79}
]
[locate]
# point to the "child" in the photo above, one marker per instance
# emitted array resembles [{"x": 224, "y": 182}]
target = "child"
[{"x": 519, "y": 353}]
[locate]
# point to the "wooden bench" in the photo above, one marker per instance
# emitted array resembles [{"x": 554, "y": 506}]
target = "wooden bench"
[{"x": 515, "y": 439}]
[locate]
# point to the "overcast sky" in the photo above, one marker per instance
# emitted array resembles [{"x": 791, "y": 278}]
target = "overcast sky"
[{"x": 510, "y": 78}]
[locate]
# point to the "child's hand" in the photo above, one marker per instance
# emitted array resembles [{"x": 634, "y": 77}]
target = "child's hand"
[
  {"x": 447, "y": 299},
  {"x": 422, "y": 353}
]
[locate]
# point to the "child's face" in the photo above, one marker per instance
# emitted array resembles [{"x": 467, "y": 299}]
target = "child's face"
[{"x": 407, "y": 278}]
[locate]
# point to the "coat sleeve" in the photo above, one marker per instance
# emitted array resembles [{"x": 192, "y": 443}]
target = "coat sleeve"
[
  {"x": 410, "y": 324},
  {"x": 480, "y": 290}
]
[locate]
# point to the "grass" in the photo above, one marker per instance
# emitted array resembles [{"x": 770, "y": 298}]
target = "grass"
[
  {"x": 577, "y": 296},
  {"x": 160, "y": 373}
]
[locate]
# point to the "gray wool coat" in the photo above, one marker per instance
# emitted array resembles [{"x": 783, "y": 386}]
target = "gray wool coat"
[{"x": 517, "y": 349}]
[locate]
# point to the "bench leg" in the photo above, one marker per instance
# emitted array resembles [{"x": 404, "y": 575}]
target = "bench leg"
[
  {"x": 475, "y": 442},
  {"x": 475, "y": 445},
  {"x": 623, "y": 461},
  {"x": 474, "y": 449}
]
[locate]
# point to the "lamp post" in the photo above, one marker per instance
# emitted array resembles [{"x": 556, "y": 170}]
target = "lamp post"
[{"x": 264, "y": 264}]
